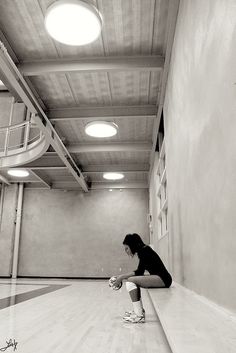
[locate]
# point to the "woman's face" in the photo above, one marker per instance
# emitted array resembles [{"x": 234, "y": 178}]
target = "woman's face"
[{"x": 127, "y": 250}]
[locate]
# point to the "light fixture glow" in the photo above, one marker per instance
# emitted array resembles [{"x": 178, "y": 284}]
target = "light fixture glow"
[
  {"x": 101, "y": 129},
  {"x": 1, "y": 83},
  {"x": 73, "y": 22},
  {"x": 113, "y": 176},
  {"x": 18, "y": 172}
]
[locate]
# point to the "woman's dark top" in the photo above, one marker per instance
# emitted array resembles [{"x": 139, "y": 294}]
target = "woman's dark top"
[{"x": 151, "y": 262}]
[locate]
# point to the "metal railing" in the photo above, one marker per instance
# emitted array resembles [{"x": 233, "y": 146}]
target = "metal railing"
[{"x": 18, "y": 138}]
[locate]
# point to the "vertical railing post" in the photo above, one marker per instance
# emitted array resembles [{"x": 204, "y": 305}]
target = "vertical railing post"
[
  {"x": 8, "y": 129},
  {"x": 6, "y": 142},
  {"x": 1, "y": 204},
  {"x": 17, "y": 230},
  {"x": 27, "y": 129}
]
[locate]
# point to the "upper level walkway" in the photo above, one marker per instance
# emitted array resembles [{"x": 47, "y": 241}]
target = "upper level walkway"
[{"x": 21, "y": 143}]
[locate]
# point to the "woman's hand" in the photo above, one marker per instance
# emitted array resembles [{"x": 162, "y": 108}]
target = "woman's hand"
[
  {"x": 123, "y": 276},
  {"x": 118, "y": 281}
]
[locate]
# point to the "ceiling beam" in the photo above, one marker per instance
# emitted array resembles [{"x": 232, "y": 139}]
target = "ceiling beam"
[
  {"x": 116, "y": 168},
  {"x": 126, "y": 172},
  {"x": 35, "y": 186},
  {"x": 96, "y": 186},
  {"x": 61, "y": 185},
  {"x": 107, "y": 64},
  {"x": 19, "y": 180},
  {"x": 21, "y": 88},
  {"x": 44, "y": 164},
  {"x": 96, "y": 169},
  {"x": 135, "y": 185},
  {"x": 109, "y": 147},
  {"x": 45, "y": 168},
  {"x": 137, "y": 111}
]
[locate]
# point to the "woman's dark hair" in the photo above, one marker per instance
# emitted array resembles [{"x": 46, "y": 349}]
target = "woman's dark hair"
[{"x": 134, "y": 242}]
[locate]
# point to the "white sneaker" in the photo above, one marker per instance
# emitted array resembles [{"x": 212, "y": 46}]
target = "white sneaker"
[
  {"x": 134, "y": 319},
  {"x": 128, "y": 313}
]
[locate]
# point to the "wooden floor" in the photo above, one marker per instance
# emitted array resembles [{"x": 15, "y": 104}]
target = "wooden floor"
[{"x": 74, "y": 316}]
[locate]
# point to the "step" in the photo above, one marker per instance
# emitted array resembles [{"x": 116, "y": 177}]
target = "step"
[{"x": 193, "y": 324}]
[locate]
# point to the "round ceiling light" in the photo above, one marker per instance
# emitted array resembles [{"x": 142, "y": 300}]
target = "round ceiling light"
[
  {"x": 18, "y": 173},
  {"x": 101, "y": 129},
  {"x": 73, "y": 22},
  {"x": 113, "y": 176}
]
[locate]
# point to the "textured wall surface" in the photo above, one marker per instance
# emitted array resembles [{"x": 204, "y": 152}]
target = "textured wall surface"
[
  {"x": 200, "y": 122},
  {"x": 7, "y": 230},
  {"x": 72, "y": 234}
]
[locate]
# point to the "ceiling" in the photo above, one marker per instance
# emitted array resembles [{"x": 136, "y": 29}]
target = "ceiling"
[{"x": 121, "y": 77}]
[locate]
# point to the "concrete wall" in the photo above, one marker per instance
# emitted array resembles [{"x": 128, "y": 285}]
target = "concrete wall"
[
  {"x": 199, "y": 113},
  {"x": 7, "y": 229},
  {"x": 73, "y": 234}
]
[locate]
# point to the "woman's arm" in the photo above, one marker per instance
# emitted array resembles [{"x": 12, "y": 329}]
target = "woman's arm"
[{"x": 123, "y": 276}]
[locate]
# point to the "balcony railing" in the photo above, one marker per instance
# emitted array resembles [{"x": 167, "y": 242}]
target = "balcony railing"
[{"x": 18, "y": 138}]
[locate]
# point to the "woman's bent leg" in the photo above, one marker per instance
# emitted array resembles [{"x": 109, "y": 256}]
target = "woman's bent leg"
[
  {"x": 149, "y": 281},
  {"x": 133, "y": 285},
  {"x": 135, "y": 296}
]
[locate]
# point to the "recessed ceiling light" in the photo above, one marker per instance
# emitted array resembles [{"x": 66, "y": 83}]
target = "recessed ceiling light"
[
  {"x": 18, "y": 172},
  {"x": 113, "y": 176},
  {"x": 73, "y": 22},
  {"x": 101, "y": 129}
]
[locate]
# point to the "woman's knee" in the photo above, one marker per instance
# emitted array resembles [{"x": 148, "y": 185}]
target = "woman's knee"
[
  {"x": 130, "y": 286},
  {"x": 131, "y": 279}
]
